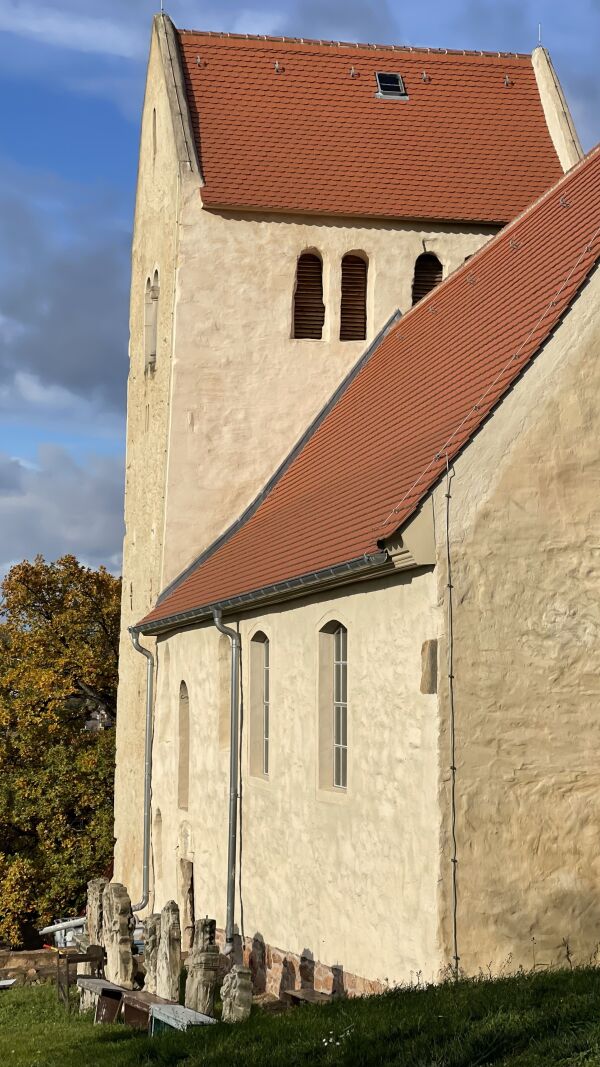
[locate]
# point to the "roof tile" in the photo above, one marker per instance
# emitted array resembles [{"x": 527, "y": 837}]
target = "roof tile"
[{"x": 314, "y": 139}]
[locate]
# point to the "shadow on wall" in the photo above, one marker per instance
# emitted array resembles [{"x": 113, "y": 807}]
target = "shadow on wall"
[
  {"x": 258, "y": 963},
  {"x": 276, "y": 972}
]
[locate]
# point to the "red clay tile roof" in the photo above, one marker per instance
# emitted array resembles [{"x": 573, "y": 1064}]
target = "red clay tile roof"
[
  {"x": 425, "y": 388},
  {"x": 313, "y": 138}
]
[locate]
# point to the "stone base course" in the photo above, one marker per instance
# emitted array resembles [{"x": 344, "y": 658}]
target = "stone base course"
[{"x": 274, "y": 971}]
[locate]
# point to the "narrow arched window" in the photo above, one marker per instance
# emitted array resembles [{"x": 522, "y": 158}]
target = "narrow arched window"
[
  {"x": 260, "y": 705},
  {"x": 157, "y": 845},
  {"x": 333, "y": 706},
  {"x": 353, "y": 309},
  {"x": 309, "y": 309},
  {"x": 183, "y": 776},
  {"x": 151, "y": 323},
  {"x": 428, "y": 274}
]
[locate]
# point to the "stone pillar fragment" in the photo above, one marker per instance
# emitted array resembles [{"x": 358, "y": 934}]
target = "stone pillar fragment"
[
  {"x": 186, "y": 883},
  {"x": 117, "y": 931},
  {"x": 168, "y": 963},
  {"x": 151, "y": 942},
  {"x": 93, "y": 912},
  {"x": 203, "y": 969},
  {"x": 93, "y": 934},
  {"x": 236, "y": 994}
]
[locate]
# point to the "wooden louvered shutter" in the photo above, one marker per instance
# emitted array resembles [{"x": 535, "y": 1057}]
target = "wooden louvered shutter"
[
  {"x": 353, "y": 312},
  {"x": 428, "y": 274},
  {"x": 309, "y": 309}
]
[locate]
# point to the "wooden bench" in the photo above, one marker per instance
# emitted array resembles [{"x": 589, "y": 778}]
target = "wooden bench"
[
  {"x": 109, "y": 997},
  {"x": 308, "y": 996},
  {"x": 139, "y": 1009}
]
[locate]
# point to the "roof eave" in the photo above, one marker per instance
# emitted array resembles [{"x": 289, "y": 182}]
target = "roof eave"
[
  {"x": 260, "y": 209},
  {"x": 358, "y": 569}
]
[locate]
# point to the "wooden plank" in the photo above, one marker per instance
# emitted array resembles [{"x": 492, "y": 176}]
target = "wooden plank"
[
  {"x": 107, "y": 1008},
  {"x": 308, "y": 996},
  {"x": 176, "y": 1017},
  {"x": 98, "y": 985},
  {"x": 140, "y": 996}
]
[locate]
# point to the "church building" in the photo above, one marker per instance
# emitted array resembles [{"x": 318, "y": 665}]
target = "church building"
[{"x": 360, "y": 661}]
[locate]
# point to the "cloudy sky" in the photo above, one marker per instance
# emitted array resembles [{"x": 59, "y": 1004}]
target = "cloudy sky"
[{"x": 71, "y": 83}]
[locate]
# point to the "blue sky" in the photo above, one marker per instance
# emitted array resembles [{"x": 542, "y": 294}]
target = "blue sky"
[{"x": 71, "y": 82}]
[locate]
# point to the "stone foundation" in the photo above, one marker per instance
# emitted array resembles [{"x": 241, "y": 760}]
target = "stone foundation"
[{"x": 274, "y": 971}]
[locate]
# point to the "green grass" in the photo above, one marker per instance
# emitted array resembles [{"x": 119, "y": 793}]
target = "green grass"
[{"x": 550, "y": 1019}]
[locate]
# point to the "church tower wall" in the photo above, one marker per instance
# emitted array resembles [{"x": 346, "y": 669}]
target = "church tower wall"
[
  {"x": 162, "y": 170},
  {"x": 244, "y": 390}
]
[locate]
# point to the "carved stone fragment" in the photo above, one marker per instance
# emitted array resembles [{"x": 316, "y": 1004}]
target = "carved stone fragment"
[
  {"x": 186, "y": 882},
  {"x": 117, "y": 931},
  {"x": 168, "y": 963},
  {"x": 93, "y": 913},
  {"x": 151, "y": 942},
  {"x": 203, "y": 969},
  {"x": 236, "y": 995},
  {"x": 93, "y": 934}
]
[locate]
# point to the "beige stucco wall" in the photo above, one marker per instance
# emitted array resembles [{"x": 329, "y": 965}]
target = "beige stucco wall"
[
  {"x": 525, "y": 537},
  {"x": 351, "y": 877},
  {"x": 244, "y": 391},
  {"x": 154, "y": 248}
]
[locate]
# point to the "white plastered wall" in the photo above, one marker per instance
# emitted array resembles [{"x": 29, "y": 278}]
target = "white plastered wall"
[
  {"x": 525, "y": 536},
  {"x": 351, "y": 877}
]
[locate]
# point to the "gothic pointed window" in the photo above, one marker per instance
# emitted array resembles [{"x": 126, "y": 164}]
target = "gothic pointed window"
[{"x": 309, "y": 309}]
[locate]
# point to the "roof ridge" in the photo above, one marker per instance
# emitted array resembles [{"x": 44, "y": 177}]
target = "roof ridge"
[{"x": 367, "y": 45}]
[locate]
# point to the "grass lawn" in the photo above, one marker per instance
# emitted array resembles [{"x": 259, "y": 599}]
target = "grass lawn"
[{"x": 550, "y": 1018}]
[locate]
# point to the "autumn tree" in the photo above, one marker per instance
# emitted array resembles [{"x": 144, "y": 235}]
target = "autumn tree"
[{"x": 59, "y": 626}]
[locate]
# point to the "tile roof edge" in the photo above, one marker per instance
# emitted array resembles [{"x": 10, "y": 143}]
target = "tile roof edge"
[
  {"x": 369, "y": 565},
  {"x": 286, "y": 462},
  {"x": 382, "y": 534},
  {"x": 501, "y": 233},
  {"x": 262, "y": 209},
  {"x": 366, "y": 45},
  {"x": 383, "y": 537}
]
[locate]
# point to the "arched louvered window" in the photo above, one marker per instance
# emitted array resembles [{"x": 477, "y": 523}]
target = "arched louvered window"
[
  {"x": 309, "y": 309},
  {"x": 428, "y": 274},
  {"x": 353, "y": 311}
]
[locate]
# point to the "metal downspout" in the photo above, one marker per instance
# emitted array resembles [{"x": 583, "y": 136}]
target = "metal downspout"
[
  {"x": 234, "y": 637},
  {"x": 135, "y": 639}
]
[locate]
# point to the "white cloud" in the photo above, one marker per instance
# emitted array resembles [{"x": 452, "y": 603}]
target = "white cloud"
[
  {"x": 251, "y": 20},
  {"x": 59, "y": 505},
  {"x": 71, "y": 30}
]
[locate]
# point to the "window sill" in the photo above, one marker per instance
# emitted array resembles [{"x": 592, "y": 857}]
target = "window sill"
[{"x": 333, "y": 795}]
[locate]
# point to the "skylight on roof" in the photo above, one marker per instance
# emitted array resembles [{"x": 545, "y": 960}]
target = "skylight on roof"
[{"x": 390, "y": 86}]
